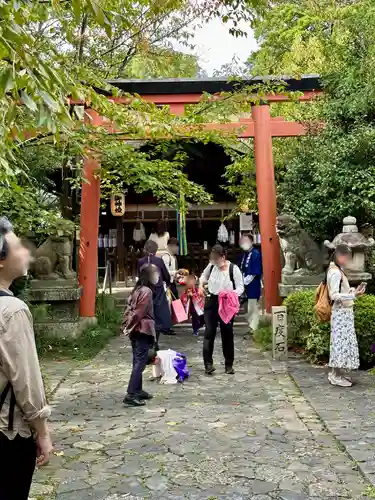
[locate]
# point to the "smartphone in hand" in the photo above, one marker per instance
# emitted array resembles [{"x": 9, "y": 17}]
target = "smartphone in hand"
[{"x": 362, "y": 287}]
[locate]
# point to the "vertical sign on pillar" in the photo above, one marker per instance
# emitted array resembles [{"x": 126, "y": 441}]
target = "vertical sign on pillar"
[
  {"x": 279, "y": 332},
  {"x": 266, "y": 191},
  {"x": 89, "y": 230}
]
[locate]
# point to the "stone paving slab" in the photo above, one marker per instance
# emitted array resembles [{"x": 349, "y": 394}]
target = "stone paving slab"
[
  {"x": 348, "y": 413},
  {"x": 54, "y": 372},
  {"x": 248, "y": 436}
]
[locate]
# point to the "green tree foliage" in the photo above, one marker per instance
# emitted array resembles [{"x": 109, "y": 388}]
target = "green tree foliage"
[
  {"x": 297, "y": 36},
  {"x": 330, "y": 173},
  {"x": 53, "y": 50}
]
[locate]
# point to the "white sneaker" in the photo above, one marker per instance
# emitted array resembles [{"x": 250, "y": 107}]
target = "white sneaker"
[{"x": 339, "y": 381}]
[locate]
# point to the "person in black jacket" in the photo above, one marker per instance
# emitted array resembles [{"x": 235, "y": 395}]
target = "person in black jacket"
[{"x": 163, "y": 321}]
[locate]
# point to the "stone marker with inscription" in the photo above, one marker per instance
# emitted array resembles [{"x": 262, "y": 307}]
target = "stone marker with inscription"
[{"x": 279, "y": 332}]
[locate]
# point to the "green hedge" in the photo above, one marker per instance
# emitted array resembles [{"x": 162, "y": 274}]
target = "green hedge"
[{"x": 306, "y": 332}]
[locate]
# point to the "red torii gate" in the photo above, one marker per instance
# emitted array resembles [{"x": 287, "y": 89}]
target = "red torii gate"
[{"x": 261, "y": 126}]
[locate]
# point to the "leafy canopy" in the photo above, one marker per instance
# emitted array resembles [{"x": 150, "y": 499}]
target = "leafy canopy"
[
  {"x": 55, "y": 53},
  {"x": 330, "y": 173}
]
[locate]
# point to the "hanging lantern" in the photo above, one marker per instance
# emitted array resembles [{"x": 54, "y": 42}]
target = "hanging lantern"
[{"x": 118, "y": 205}]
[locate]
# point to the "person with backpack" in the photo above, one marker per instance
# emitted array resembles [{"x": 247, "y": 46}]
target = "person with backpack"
[
  {"x": 219, "y": 276},
  {"x": 139, "y": 325},
  {"x": 344, "y": 353},
  {"x": 24, "y": 434}
]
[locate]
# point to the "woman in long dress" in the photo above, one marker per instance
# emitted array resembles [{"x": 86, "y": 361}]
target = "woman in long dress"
[
  {"x": 163, "y": 322},
  {"x": 344, "y": 353}
]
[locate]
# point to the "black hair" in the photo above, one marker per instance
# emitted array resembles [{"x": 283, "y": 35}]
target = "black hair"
[
  {"x": 340, "y": 250},
  {"x": 218, "y": 250},
  {"x": 173, "y": 241},
  {"x": 5, "y": 228},
  {"x": 160, "y": 227},
  {"x": 151, "y": 247},
  {"x": 144, "y": 278},
  {"x": 248, "y": 235}
]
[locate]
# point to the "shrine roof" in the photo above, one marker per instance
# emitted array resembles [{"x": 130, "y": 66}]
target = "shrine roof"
[{"x": 212, "y": 85}]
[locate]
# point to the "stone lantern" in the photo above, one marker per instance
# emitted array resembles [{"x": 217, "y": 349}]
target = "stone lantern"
[{"x": 359, "y": 244}]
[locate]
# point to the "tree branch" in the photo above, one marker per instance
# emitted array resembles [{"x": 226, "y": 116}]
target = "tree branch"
[{"x": 81, "y": 42}]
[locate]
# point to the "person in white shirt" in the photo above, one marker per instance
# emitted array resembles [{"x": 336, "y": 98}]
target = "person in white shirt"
[
  {"x": 170, "y": 261},
  {"x": 160, "y": 236},
  {"x": 220, "y": 275}
]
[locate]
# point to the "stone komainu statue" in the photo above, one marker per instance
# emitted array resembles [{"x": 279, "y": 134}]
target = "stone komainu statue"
[
  {"x": 302, "y": 254},
  {"x": 53, "y": 259}
]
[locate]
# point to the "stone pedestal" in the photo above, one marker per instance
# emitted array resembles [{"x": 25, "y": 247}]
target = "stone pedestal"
[
  {"x": 299, "y": 283},
  {"x": 60, "y": 318},
  {"x": 296, "y": 279}
]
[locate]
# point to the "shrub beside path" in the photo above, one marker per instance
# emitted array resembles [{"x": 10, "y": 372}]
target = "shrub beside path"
[{"x": 248, "y": 436}]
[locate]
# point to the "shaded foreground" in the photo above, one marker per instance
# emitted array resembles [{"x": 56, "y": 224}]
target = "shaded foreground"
[{"x": 248, "y": 436}]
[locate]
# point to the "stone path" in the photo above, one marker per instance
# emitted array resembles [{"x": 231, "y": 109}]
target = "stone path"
[
  {"x": 348, "y": 413},
  {"x": 248, "y": 436},
  {"x": 54, "y": 372}
]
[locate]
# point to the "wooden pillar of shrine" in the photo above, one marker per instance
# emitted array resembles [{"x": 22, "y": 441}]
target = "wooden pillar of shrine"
[{"x": 266, "y": 190}]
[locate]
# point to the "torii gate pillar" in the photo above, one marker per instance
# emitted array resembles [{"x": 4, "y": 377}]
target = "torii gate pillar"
[
  {"x": 90, "y": 207},
  {"x": 266, "y": 190}
]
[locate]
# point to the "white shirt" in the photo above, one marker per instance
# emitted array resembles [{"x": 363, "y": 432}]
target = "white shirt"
[
  {"x": 170, "y": 262},
  {"x": 161, "y": 241},
  {"x": 219, "y": 281}
]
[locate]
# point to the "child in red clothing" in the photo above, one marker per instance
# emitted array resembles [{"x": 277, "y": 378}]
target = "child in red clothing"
[{"x": 193, "y": 303}]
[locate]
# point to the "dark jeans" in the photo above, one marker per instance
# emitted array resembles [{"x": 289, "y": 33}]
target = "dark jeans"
[
  {"x": 18, "y": 458},
  {"x": 141, "y": 344},
  {"x": 212, "y": 320}
]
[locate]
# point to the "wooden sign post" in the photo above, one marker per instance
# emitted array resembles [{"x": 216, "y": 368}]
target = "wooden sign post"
[{"x": 280, "y": 332}]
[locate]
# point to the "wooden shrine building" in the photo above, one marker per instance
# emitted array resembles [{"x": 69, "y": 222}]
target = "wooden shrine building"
[{"x": 177, "y": 93}]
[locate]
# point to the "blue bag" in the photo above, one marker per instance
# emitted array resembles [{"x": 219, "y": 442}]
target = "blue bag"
[{"x": 180, "y": 365}]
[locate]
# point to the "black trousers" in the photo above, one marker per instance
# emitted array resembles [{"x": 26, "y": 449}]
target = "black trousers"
[
  {"x": 17, "y": 467},
  {"x": 212, "y": 320},
  {"x": 141, "y": 344},
  {"x": 196, "y": 321}
]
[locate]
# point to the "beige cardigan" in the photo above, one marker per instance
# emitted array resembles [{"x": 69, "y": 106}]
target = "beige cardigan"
[{"x": 339, "y": 288}]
